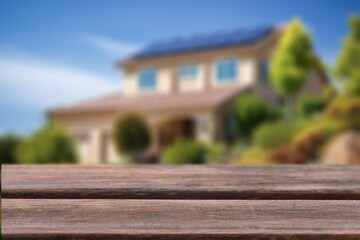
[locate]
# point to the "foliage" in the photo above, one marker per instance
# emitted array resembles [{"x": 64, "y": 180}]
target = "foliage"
[
  {"x": 50, "y": 144},
  {"x": 272, "y": 135},
  {"x": 252, "y": 156},
  {"x": 217, "y": 152},
  {"x": 308, "y": 105},
  {"x": 8, "y": 146},
  {"x": 352, "y": 87},
  {"x": 345, "y": 108},
  {"x": 131, "y": 135},
  {"x": 329, "y": 93},
  {"x": 250, "y": 111},
  {"x": 292, "y": 60},
  {"x": 348, "y": 62},
  {"x": 183, "y": 152}
]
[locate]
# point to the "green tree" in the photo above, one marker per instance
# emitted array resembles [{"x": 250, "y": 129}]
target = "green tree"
[
  {"x": 348, "y": 63},
  {"x": 131, "y": 135},
  {"x": 250, "y": 111},
  {"x": 8, "y": 146},
  {"x": 291, "y": 62},
  {"x": 50, "y": 144}
]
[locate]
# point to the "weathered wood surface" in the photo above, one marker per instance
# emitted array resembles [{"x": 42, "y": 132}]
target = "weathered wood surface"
[
  {"x": 181, "y": 182},
  {"x": 180, "y": 219},
  {"x": 180, "y": 202}
]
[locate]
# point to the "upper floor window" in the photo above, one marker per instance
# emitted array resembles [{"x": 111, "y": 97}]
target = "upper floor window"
[
  {"x": 226, "y": 70},
  {"x": 147, "y": 79},
  {"x": 188, "y": 72},
  {"x": 264, "y": 71}
]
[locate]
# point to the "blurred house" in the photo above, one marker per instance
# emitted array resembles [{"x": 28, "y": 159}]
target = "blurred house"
[{"x": 184, "y": 88}]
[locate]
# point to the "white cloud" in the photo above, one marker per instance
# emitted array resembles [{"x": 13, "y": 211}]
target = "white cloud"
[
  {"x": 120, "y": 49},
  {"x": 33, "y": 83}
]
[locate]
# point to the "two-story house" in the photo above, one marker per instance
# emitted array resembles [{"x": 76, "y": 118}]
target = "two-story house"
[{"x": 183, "y": 87}]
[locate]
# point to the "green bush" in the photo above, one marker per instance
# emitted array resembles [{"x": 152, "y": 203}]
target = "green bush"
[
  {"x": 183, "y": 152},
  {"x": 131, "y": 135},
  {"x": 49, "y": 145},
  {"x": 272, "y": 135},
  {"x": 345, "y": 108},
  {"x": 252, "y": 156},
  {"x": 8, "y": 146},
  {"x": 217, "y": 153},
  {"x": 250, "y": 111},
  {"x": 308, "y": 106}
]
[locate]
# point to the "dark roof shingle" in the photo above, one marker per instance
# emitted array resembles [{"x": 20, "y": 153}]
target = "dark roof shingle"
[{"x": 220, "y": 39}]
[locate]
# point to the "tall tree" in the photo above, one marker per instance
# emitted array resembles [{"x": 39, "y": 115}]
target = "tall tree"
[
  {"x": 348, "y": 63},
  {"x": 291, "y": 62}
]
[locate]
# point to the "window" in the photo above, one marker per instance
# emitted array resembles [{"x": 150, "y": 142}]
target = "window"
[
  {"x": 265, "y": 71},
  {"x": 188, "y": 72},
  {"x": 226, "y": 70},
  {"x": 147, "y": 79}
]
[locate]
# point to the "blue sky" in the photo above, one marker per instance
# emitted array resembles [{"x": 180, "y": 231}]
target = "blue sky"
[{"x": 56, "y": 52}]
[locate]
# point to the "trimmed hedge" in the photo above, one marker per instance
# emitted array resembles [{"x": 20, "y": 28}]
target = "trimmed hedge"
[
  {"x": 273, "y": 135},
  {"x": 185, "y": 152},
  {"x": 131, "y": 135},
  {"x": 308, "y": 106}
]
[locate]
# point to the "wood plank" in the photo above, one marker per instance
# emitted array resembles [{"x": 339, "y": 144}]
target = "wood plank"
[
  {"x": 181, "y": 182},
  {"x": 180, "y": 219}
]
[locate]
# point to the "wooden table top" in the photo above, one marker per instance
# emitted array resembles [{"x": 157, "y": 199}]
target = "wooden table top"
[{"x": 180, "y": 202}]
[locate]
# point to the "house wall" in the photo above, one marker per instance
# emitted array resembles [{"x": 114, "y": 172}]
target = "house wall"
[
  {"x": 248, "y": 58},
  {"x": 92, "y": 133}
]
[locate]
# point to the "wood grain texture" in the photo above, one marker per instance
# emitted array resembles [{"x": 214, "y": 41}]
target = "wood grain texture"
[
  {"x": 180, "y": 219},
  {"x": 181, "y": 182}
]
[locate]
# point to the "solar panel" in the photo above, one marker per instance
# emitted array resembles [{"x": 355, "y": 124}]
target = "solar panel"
[{"x": 221, "y": 39}]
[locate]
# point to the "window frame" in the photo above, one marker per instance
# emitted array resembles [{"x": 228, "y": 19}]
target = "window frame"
[
  {"x": 147, "y": 87},
  {"x": 221, "y": 66},
  {"x": 191, "y": 71}
]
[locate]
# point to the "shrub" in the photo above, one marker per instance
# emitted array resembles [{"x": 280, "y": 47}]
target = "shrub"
[
  {"x": 185, "y": 152},
  {"x": 250, "y": 111},
  {"x": 329, "y": 92},
  {"x": 272, "y": 135},
  {"x": 131, "y": 135},
  {"x": 252, "y": 156},
  {"x": 8, "y": 146},
  {"x": 345, "y": 108},
  {"x": 51, "y": 144},
  {"x": 217, "y": 153},
  {"x": 308, "y": 106}
]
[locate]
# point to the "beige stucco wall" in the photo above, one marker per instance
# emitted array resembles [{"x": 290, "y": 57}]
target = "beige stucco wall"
[
  {"x": 198, "y": 83},
  {"x": 90, "y": 130}
]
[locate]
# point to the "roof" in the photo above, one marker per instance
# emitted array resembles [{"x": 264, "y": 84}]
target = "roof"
[
  {"x": 221, "y": 39},
  {"x": 153, "y": 102}
]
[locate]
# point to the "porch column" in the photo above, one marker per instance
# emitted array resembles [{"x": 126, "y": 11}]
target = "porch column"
[
  {"x": 205, "y": 127},
  {"x": 95, "y": 146},
  {"x": 153, "y": 123}
]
